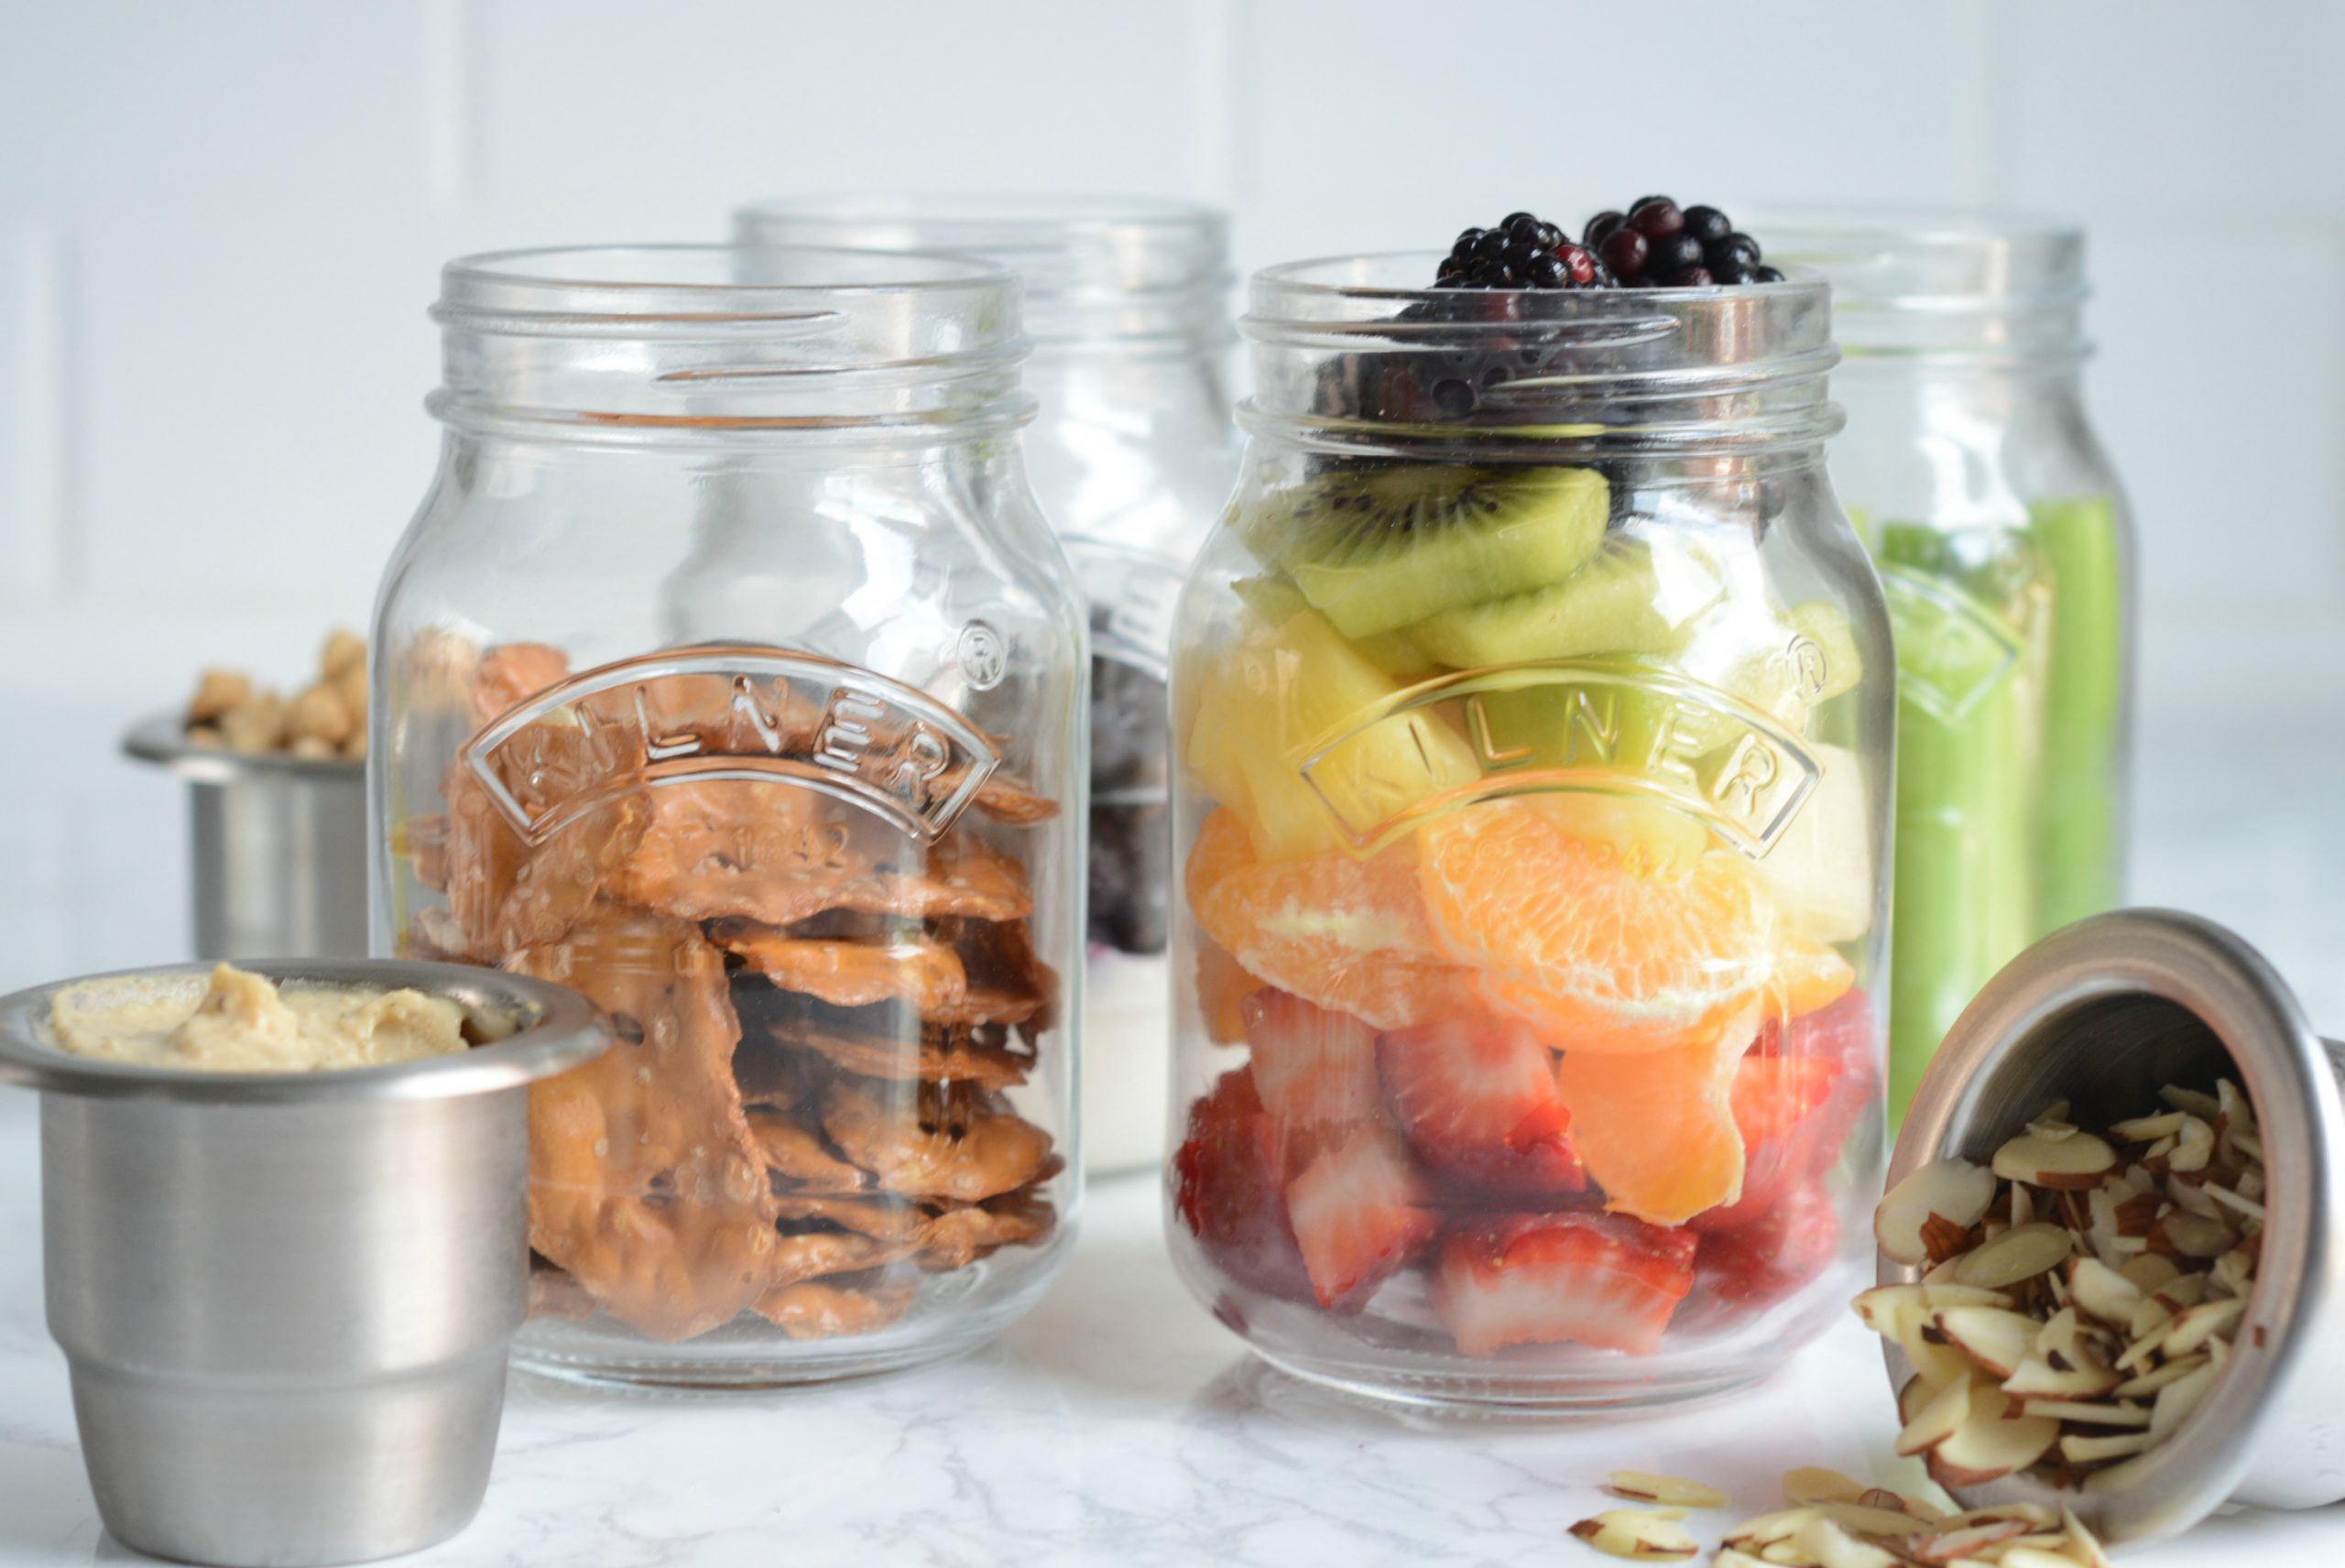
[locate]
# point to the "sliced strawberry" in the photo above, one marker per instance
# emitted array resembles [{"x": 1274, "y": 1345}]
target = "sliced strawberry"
[
  {"x": 1359, "y": 1213},
  {"x": 1844, "y": 1032},
  {"x": 1599, "y": 1280},
  {"x": 1226, "y": 1184},
  {"x": 1797, "y": 1092},
  {"x": 1315, "y": 1071},
  {"x": 1477, "y": 1100},
  {"x": 1786, "y": 1247}
]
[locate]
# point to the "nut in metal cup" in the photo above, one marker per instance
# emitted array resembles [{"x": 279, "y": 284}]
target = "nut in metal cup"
[
  {"x": 277, "y": 846},
  {"x": 2104, "y": 1014},
  {"x": 286, "y": 1299}
]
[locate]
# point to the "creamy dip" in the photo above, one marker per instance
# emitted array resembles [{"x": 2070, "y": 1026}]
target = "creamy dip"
[{"x": 241, "y": 1023}]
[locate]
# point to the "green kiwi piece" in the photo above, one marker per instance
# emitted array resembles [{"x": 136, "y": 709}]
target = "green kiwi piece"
[
  {"x": 1377, "y": 547},
  {"x": 1276, "y": 601},
  {"x": 1620, "y": 601}
]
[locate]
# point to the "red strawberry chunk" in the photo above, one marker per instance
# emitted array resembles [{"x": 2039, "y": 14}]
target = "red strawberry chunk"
[
  {"x": 1478, "y": 1101},
  {"x": 1359, "y": 1213},
  {"x": 1599, "y": 1280},
  {"x": 1316, "y": 1072},
  {"x": 1785, "y": 1248},
  {"x": 1226, "y": 1184},
  {"x": 1797, "y": 1092}
]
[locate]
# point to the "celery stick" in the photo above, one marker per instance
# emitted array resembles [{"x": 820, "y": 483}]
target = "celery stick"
[
  {"x": 1965, "y": 786},
  {"x": 2079, "y": 830}
]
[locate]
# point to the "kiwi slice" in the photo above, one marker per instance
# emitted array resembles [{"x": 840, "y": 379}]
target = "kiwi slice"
[
  {"x": 1377, "y": 548},
  {"x": 1623, "y": 600}
]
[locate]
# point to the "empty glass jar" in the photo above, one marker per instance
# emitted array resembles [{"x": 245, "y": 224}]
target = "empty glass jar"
[
  {"x": 2005, "y": 547},
  {"x": 1532, "y": 715},
  {"x": 1132, "y": 453},
  {"x": 728, "y": 674}
]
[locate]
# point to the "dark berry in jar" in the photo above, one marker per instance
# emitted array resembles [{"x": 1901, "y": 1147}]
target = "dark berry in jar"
[
  {"x": 1520, "y": 223},
  {"x": 1695, "y": 276},
  {"x": 1765, "y": 274},
  {"x": 1674, "y": 254},
  {"x": 1657, "y": 218},
  {"x": 1492, "y": 245},
  {"x": 1730, "y": 272},
  {"x": 1707, "y": 224},
  {"x": 1547, "y": 271},
  {"x": 1600, "y": 225},
  {"x": 1647, "y": 201},
  {"x": 1578, "y": 263},
  {"x": 1465, "y": 243},
  {"x": 1624, "y": 252},
  {"x": 1550, "y": 237},
  {"x": 1735, "y": 247}
]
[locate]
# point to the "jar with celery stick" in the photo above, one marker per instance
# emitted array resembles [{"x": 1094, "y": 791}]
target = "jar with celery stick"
[
  {"x": 1532, "y": 717},
  {"x": 2004, "y": 545}
]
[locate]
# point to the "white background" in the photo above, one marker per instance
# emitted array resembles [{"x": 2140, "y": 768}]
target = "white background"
[{"x": 220, "y": 224}]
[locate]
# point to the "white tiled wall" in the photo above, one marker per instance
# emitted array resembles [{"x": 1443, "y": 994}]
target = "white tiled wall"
[{"x": 220, "y": 221}]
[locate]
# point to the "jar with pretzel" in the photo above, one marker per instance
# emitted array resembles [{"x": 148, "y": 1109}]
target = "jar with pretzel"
[
  {"x": 1533, "y": 711},
  {"x": 729, "y": 674}
]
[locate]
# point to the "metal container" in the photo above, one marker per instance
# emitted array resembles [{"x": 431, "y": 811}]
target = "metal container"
[
  {"x": 286, "y": 1299},
  {"x": 278, "y": 846},
  {"x": 2103, "y": 1013}
]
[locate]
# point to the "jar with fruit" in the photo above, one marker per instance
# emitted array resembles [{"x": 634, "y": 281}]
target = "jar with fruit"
[
  {"x": 729, "y": 675},
  {"x": 1533, "y": 720},
  {"x": 2005, "y": 547},
  {"x": 1131, "y": 455}
]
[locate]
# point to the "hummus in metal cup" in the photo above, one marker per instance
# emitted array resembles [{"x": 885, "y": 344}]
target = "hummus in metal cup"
[{"x": 241, "y": 1023}]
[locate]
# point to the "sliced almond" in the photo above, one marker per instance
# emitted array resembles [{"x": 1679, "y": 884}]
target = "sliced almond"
[
  {"x": 1789, "y": 1553},
  {"x": 1935, "y": 1420},
  {"x": 2182, "y": 1290},
  {"x": 2150, "y": 1272},
  {"x": 2194, "y": 1146},
  {"x": 1916, "y": 1393},
  {"x": 2193, "y": 1328},
  {"x": 2067, "y": 1163},
  {"x": 1642, "y": 1535},
  {"x": 1813, "y": 1484},
  {"x": 2022, "y": 1556},
  {"x": 1927, "y": 1349},
  {"x": 2148, "y": 1129},
  {"x": 2023, "y": 1202},
  {"x": 1969, "y": 1540},
  {"x": 2096, "y": 1412},
  {"x": 1991, "y": 1445},
  {"x": 1673, "y": 1491},
  {"x": 2234, "y": 1201},
  {"x": 1833, "y": 1547},
  {"x": 2079, "y": 1449},
  {"x": 1994, "y": 1337},
  {"x": 2186, "y": 1235},
  {"x": 2233, "y": 1272},
  {"x": 2083, "y": 1545},
  {"x": 2019, "y": 1253},
  {"x": 1890, "y": 1523},
  {"x": 2151, "y": 1381},
  {"x": 2186, "y": 1196},
  {"x": 2191, "y": 1100},
  {"x": 2101, "y": 1294},
  {"x": 1728, "y": 1557},
  {"x": 2036, "y": 1378},
  {"x": 1765, "y": 1529},
  {"x": 1954, "y": 1190}
]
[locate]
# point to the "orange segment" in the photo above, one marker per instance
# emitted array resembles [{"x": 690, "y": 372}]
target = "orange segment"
[
  {"x": 1341, "y": 933},
  {"x": 1222, "y": 847},
  {"x": 1603, "y": 948},
  {"x": 1222, "y": 990},
  {"x": 1657, "y": 1129}
]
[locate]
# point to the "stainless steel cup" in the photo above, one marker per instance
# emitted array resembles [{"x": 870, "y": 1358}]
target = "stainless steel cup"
[
  {"x": 2103, "y": 1013},
  {"x": 278, "y": 846},
  {"x": 286, "y": 1299}
]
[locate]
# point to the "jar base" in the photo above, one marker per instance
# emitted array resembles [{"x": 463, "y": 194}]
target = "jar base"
[
  {"x": 1502, "y": 1393},
  {"x": 748, "y": 1375}
]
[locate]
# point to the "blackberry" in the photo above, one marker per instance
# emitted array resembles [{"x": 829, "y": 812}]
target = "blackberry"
[
  {"x": 1625, "y": 251},
  {"x": 1524, "y": 251},
  {"x": 1674, "y": 254},
  {"x": 1659, "y": 244},
  {"x": 1656, "y": 218},
  {"x": 1735, "y": 247},
  {"x": 1707, "y": 225},
  {"x": 1765, "y": 274},
  {"x": 1599, "y": 226}
]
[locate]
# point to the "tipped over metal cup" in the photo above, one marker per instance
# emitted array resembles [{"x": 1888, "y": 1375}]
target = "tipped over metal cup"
[
  {"x": 2104, "y": 1014},
  {"x": 286, "y": 1299}
]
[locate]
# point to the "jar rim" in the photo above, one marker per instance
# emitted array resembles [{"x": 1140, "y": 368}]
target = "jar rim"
[
  {"x": 1317, "y": 292},
  {"x": 648, "y": 286}
]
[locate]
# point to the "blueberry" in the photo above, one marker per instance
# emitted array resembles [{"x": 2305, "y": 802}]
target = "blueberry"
[
  {"x": 1600, "y": 225},
  {"x": 1550, "y": 237},
  {"x": 1730, "y": 271},
  {"x": 1465, "y": 243},
  {"x": 1674, "y": 254},
  {"x": 1707, "y": 224},
  {"x": 1765, "y": 274},
  {"x": 1647, "y": 201},
  {"x": 1740, "y": 249},
  {"x": 1492, "y": 245},
  {"x": 1548, "y": 271},
  {"x": 1522, "y": 224},
  {"x": 1695, "y": 276},
  {"x": 1456, "y": 398}
]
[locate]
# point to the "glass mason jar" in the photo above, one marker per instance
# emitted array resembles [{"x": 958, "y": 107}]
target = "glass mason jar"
[
  {"x": 729, "y": 674},
  {"x": 2005, "y": 548},
  {"x": 1533, "y": 711},
  {"x": 1131, "y": 453}
]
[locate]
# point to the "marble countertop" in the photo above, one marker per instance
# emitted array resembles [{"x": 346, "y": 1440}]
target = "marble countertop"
[{"x": 1119, "y": 1423}]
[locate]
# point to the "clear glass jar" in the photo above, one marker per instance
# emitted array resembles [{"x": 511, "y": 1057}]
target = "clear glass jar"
[
  {"x": 1534, "y": 714},
  {"x": 729, "y": 674},
  {"x": 2006, "y": 550},
  {"x": 1132, "y": 453}
]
